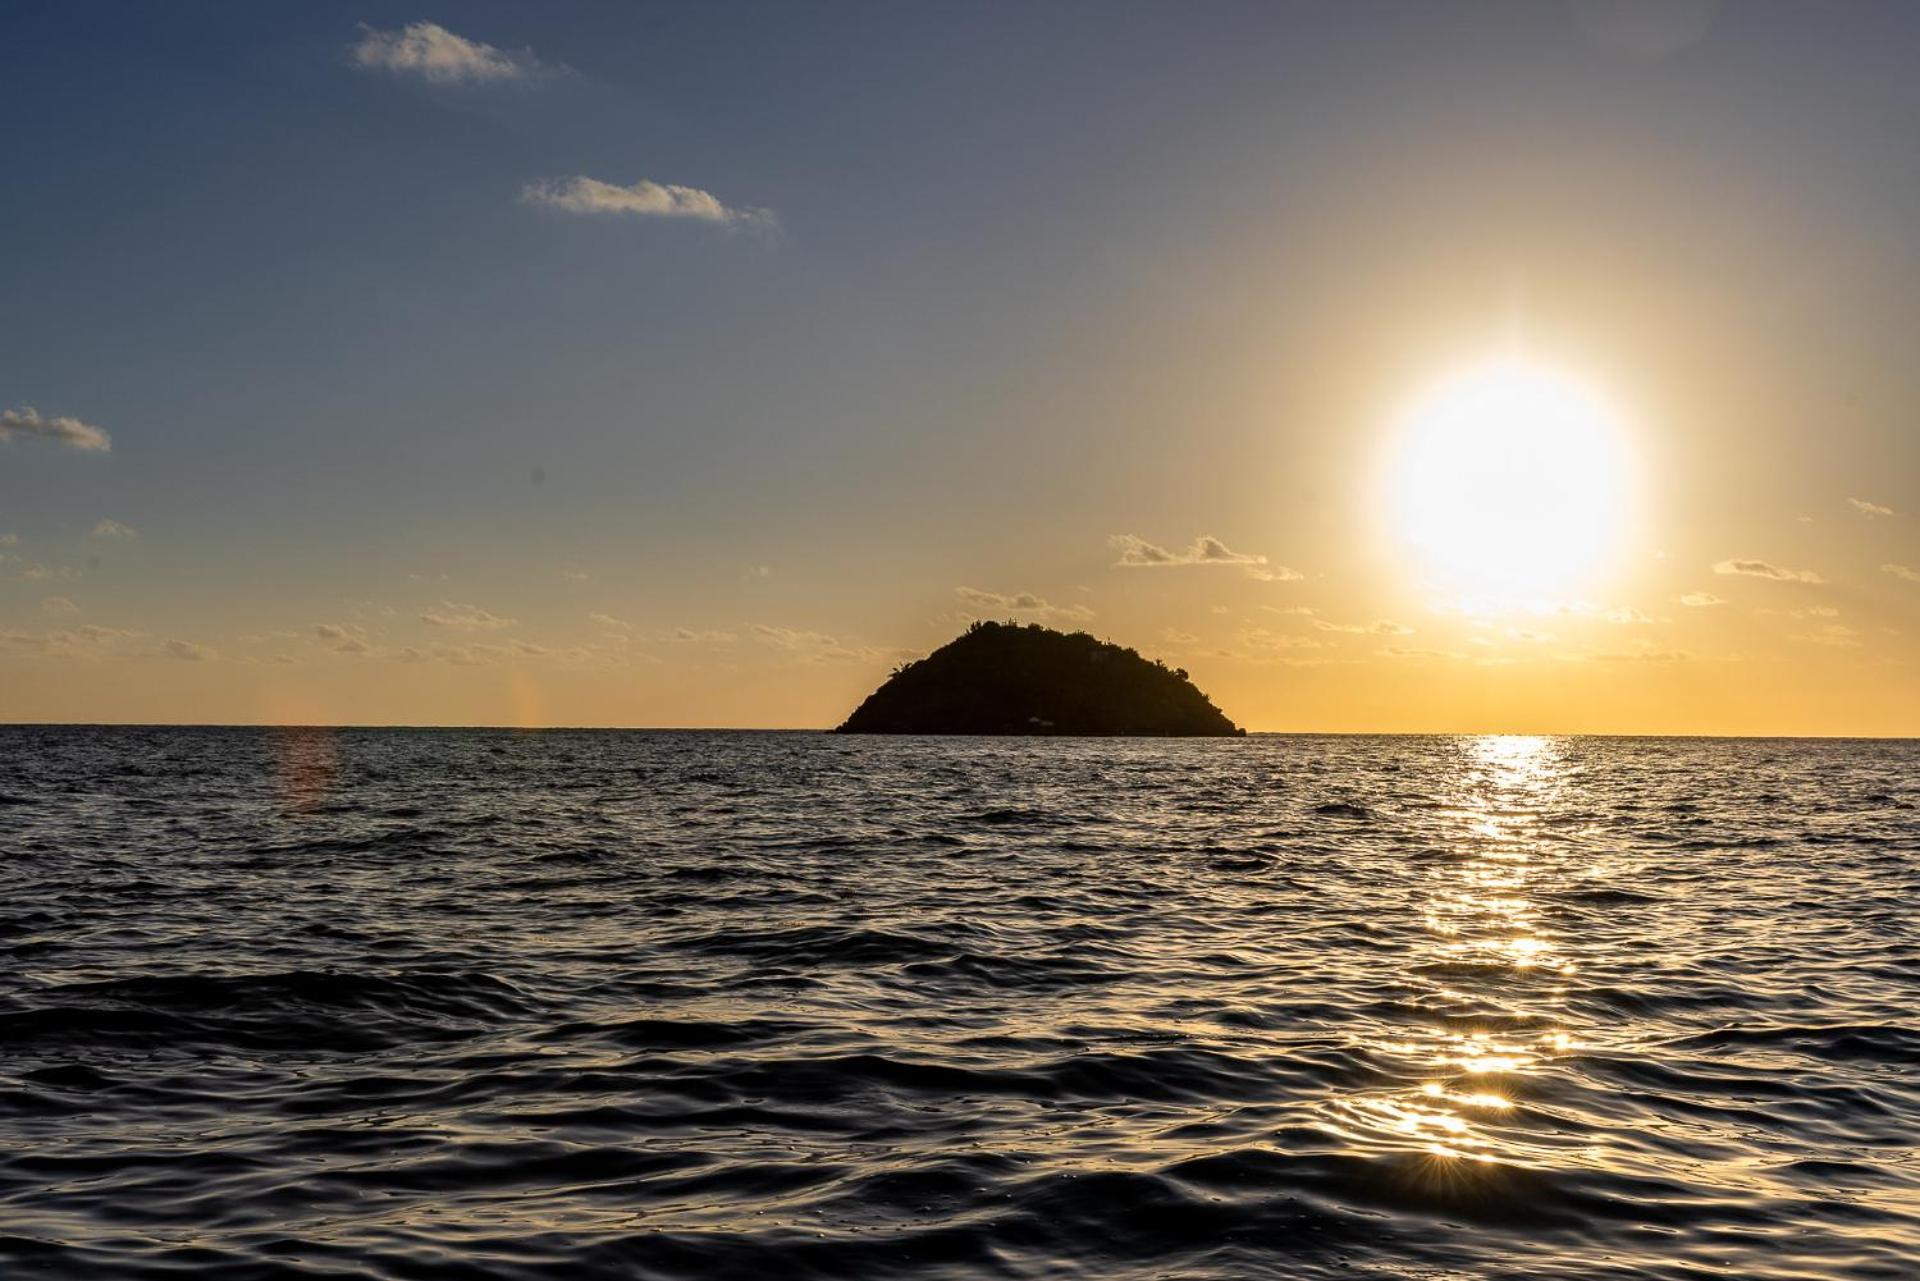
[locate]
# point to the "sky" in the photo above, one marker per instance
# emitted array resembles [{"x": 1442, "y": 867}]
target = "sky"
[{"x": 696, "y": 364}]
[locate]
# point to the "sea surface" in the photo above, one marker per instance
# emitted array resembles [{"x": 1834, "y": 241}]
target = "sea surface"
[{"x": 492, "y": 1004}]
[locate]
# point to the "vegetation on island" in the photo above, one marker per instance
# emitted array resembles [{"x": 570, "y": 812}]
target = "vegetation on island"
[{"x": 1006, "y": 678}]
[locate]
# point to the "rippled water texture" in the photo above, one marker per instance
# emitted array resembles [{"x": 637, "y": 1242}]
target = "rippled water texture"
[{"x": 396, "y": 1004}]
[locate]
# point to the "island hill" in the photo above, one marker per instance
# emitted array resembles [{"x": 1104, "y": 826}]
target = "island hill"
[{"x": 1003, "y": 678}]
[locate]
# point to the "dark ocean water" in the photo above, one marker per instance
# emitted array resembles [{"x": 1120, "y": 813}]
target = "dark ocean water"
[{"x": 399, "y": 1004}]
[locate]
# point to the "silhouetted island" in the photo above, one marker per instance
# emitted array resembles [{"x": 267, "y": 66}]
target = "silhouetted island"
[{"x": 1003, "y": 678}]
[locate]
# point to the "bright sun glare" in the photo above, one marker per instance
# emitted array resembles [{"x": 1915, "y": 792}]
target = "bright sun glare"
[{"x": 1511, "y": 480}]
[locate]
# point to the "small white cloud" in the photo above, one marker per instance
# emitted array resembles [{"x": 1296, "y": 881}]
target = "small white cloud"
[
  {"x": 26, "y": 421},
  {"x": 610, "y": 622},
  {"x": 1701, "y": 600},
  {"x": 1628, "y": 616},
  {"x": 1766, "y": 569},
  {"x": 1902, "y": 571},
  {"x": 9, "y": 540},
  {"x": 468, "y": 618},
  {"x": 1870, "y": 510},
  {"x": 58, "y": 605},
  {"x": 1138, "y": 553},
  {"x": 189, "y": 651},
  {"x": 1383, "y": 627},
  {"x": 1834, "y": 635},
  {"x": 114, "y": 529},
  {"x": 643, "y": 199},
  {"x": 1020, "y": 603},
  {"x": 817, "y": 647},
  {"x": 437, "y": 55}
]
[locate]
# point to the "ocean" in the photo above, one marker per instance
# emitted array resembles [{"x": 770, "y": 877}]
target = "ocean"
[{"x": 369, "y": 1004}]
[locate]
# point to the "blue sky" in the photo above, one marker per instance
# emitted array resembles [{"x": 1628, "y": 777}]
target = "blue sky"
[{"x": 1030, "y": 277}]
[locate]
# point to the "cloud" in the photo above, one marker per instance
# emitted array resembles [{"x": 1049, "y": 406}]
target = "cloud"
[
  {"x": 114, "y": 529},
  {"x": 1767, "y": 569},
  {"x": 1647, "y": 654},
  {"x": 1869, "y": 510},
  {"x": 1263, "y": 639},
  {"x": 1383, "y": 627},
  {"x": 1815, "y": 611},
  {"x": 26, "y": 421},
  {"x": 1138, "y": 553},
  {"x": 644, "y": 199},
  {"x": 437, "y": 55},
  {"x": 1020, "y": 603},
  {"x": 1835, "y": 635},
  {"x": 346, "y": 638},
  {"x": 817, "y": 647},
  {"x": 694, "y": 636},
  {"x": 608, "y": 620},
  {"x": 1701, "y": 600},
  {"x": 1395, "y": 651},
  {"x": 465, "y": 618},
  {"x": 1907, "y": 572},
  {"x": 1628, "y": 616},
  {"x": 9, "y": 540},
  {"x": 189, "y": 651},
  {"x": 58, "y": 605}
]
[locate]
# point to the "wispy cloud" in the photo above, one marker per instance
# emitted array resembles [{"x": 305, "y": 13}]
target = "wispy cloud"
[
  {"x": 1645, "y": 654},
  {"x": 1628, "y": 616},
  {"x": 466, "y": 618},
  {"x": 818, "y": 647},
  {"x": 346, "y": 638},
  {"x": 27, "y": 421},
  {"x": 189, "y": 651},
  {"x": 1138, "y": 553},
  {"x": 1701, "y": 600},
  {"x": 58, "y": 605},
  {"x": 1766, "y": 569},
  {"x": 1382, "y": 627},
  {"x": 1020, "y": 603},
  {"x": 1869, "y": 510},
  {"x": 437, "y": 55},
  {"x": 1907, "y": 572},
  {"x": 105, "y": 528},
  {"x": 1833, "y": 635},
  {"x": 643, "y": 199}
]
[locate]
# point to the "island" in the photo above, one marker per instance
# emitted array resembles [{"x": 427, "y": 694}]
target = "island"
[{"x": 1009, "y": 678}]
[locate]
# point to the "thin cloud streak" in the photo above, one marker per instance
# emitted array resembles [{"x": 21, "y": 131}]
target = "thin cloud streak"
[
  {"x": 28, "y": 421},
  {"x": 1748, "y": 568},
  {"x": 438, "y": 56},
  {"x": 643, "y": 199}
]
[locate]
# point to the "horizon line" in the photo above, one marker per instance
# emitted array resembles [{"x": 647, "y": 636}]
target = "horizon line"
[{"x": 804, "y": 729}]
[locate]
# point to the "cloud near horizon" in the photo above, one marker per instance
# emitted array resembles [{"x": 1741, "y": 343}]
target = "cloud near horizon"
[
  {"x": 1870, "y": 510},
  {"x": 1768, "y": 570},
  {"x": 1701, "y": 600},
  {"x": 1020, "y": 603},
  {"x": 438, "y": 56},
  {"x": 28, "y": 421},
  {"x": 106, "y": 528},
  {"x": 644, "y": 199},
  {"x": 467, "y": 618},
  {"x": 1902, "y": 571},
  {"x": 1138, "y": 553}
]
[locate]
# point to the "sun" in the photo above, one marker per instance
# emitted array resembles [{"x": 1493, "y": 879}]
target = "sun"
[{"x": 1511, "y": 481}]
